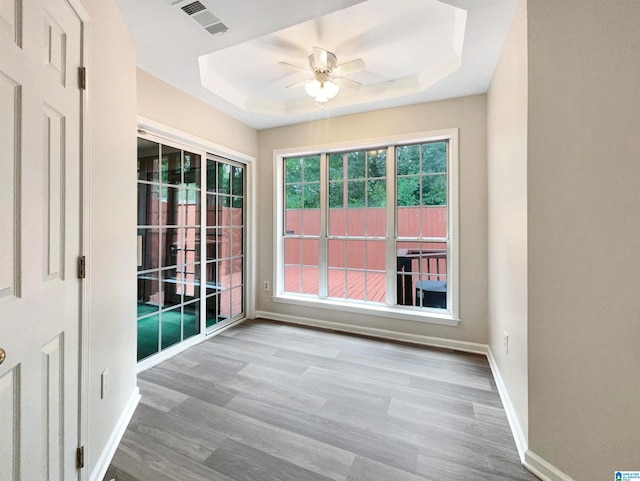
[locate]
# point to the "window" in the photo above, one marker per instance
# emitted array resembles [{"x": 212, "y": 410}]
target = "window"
[{"x": 371, "y": 227}]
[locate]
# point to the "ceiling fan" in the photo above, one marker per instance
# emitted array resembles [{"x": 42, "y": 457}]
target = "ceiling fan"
[{"x": 324, "y": 76}]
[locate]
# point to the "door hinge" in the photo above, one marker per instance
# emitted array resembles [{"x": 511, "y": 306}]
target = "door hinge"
[
  {"x": 82, "y": 78},
  {"x": 82, "y": 267},
  {"x": 80, "y": 457}
]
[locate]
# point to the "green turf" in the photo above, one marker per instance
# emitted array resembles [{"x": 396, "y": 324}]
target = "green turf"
[{"x": 149, "y": 327}]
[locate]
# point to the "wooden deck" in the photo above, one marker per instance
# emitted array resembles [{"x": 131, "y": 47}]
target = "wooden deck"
[{"x": 343, "y": 284}]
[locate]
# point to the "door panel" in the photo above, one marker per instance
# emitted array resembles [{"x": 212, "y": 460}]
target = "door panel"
[{"x": 40, "y": 52}]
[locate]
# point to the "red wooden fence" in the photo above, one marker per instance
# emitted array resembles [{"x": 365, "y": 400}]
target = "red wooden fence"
[{"x": 360, "y": 254}]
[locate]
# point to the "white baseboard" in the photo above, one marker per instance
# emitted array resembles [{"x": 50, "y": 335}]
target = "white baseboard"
[
  {"x": 109, "y": 450},
  {"x": 514, "y": 422},
  {"x": 542, "y": 469},
  {"x": 465, "y": 346}
]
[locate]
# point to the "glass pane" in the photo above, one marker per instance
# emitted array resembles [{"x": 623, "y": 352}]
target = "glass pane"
[
  {"x": 377, "y": 163},
  {"x": 225, "y": 305},
  {"x": 292, "y": 251},
  {"x": 408, "y": 191},
  {"x": 336, "y": 167},
  {"x": 311, "y": 196},
  {"x": 224, "y": 178},
  {"x": 171, "y": 240},
  {"x": 311, "y": 221},
  {"x": 434, "y": 189},
  {"x": 190, "y": 249},
  {"x": 171, "y": 327},
  {"x": 191, "y": 319},
  {"x": 237, "y": 271},
  {"x": 337, "y": 221},
  {"x": 172, "y": 212},
  {"x": 293, "y": 196},
  {"x": 311, "y": 169},
  {"x": 148, "y": 293},
  {"x": 434, "y": 221},
  {"x": 293, "y": 170},
  {"x": 236, "y": 301},
  {"x": 376, "y": 289},
  {"x": 212, "y": 245},
  {"x": 376, "y": 222},
  {"x": 434, "y": 157},
  {"x": 356, "y": 165},
  {"x": 336, "y": 254},
  {"x": 224, "y": 210},
  {"x": 292, "y": 278},
  {"x": 336, "y": 195},
  {"x": 310, "y": 256},
  {"x": 310, "y": 280},
  {"x": 188, "y": 278},
  {"x": 337, "y": 283},
  {"x": 191, "y": 167},
  {"x": 148, "y": 204},
  {"x": 376, "y": 193},
  {"x": 408, "y": 221},
  {"x": 212, "y": 179},
  {"x": 355, "y": 254},
  {"x": 148, "y": 336},
  {"x": 224, "y": 273},
  {"x": 408, "y": 159},
  {"x": 375, "y": 255},
  {"x": 190, "y": 206},
  {"x": 418, "y": 262},
  {"x": 148, "y": 156},
  {"x": 212, "y": 215},
  {"x": 356, "y": 222},
  {"x": 237, "y": 183},
  {"x": 211, "y": 274},
  {"x": 237, "y": 244},
  {"x": 171, "y": 288},
  {"x": 355, "y": 285},
  {"x": 148, "y": 244},
  {"x": 171, "y": 165},
  {"x": 213, "y": 310},
  {"x": 224, "y": 244},
  {"x": 356, "y": 195},
  {"x": 237, "y": 204}
]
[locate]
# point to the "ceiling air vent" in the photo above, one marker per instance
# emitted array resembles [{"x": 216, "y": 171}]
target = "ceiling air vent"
[{"x": 205, "y": 18}]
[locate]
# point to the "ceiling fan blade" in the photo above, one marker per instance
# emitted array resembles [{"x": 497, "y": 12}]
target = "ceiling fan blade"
[
  {"x": 295, "y": 67},
  {"x": 345, "y": 83},
  {"x": 320, "y": 58},
  {"x": 350, "y": 67},
  {"x": 297, "y": 84}
]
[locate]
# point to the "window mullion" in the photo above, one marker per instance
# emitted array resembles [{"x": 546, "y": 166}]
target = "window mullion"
[
  {"x": 322, "y": 247},
  {"x": 391, "y": 277}
]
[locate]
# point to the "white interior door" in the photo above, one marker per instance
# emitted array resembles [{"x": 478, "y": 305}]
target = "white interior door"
[{"x": 40, "y": 111}]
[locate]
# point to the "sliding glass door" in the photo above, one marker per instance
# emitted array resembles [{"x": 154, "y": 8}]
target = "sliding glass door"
[
  {"x": 184, "y": 197},
  {"x": 225, "y": 240}
]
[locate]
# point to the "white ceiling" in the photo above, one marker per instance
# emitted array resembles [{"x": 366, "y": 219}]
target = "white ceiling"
[{"x": 414, "y": 51}]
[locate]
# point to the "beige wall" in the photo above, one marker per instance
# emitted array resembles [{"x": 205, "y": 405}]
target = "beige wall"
[
  {"x": 584, "y": 235},
  {"x": 469, "y": 115},
  {"x": 507, "y": 214},
  {"x": 166, "y": 104},
  {"x": 112, "y": 257}
]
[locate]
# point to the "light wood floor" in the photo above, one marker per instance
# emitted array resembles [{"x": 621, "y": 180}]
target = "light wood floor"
[{"x": 271, "y": 402}]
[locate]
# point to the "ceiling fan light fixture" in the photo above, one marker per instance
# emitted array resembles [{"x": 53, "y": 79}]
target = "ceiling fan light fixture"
[{"x": 321, "y": 91}]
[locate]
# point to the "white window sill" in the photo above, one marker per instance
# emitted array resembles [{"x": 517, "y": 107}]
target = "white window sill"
[{"x": 407, "y": 313}]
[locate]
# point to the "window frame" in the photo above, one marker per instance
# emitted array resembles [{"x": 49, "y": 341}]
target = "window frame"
[{"x": 448, "y": 317}]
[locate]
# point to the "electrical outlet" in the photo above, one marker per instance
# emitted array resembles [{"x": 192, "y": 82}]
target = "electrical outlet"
[
  {"x": 104, "y": 383},
  {"x": 266, "y": 285},
  {"x": 506, "y": 342}
]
